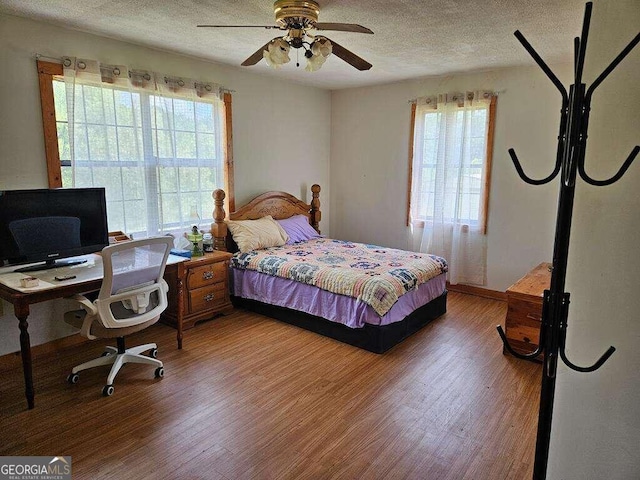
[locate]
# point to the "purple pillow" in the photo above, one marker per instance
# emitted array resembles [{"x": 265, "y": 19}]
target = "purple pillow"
[{"x": 298, "y": 229}]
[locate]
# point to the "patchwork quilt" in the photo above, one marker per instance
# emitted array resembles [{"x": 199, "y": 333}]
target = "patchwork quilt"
[{"x": 375, "y": 275}]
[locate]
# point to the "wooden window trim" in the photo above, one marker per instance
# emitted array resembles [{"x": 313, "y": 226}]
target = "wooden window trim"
[
  {"x": 487, "y": 164},
  {"x": 228, "y": 153},
  {"x": 412, "y": 128},
  {"x": 487, "y": 167},
  {"x": 46, "y": 73}
]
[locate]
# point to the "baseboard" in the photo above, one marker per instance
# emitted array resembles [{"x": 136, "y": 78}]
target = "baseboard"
[
  {"x": 14, "y": 359},
  {"x": 478, "y": 291}
]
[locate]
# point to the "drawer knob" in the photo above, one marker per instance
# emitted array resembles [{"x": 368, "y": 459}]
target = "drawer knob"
[
  {"x": 208, "y": 297},
  {"x": 208, "y": 275}
]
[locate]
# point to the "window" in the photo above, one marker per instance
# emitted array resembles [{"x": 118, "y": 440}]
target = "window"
[
  {"x": 450, "y": 165},
  {"x": 450, "y": 162},
  {"x": 159, "y": 157}
]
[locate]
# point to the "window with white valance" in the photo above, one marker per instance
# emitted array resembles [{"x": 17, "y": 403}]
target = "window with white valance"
[
  {"x": 158, "y": 144},
  {"x": 450, "y": 168}
]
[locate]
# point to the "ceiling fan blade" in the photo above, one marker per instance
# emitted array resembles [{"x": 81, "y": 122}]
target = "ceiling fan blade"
[
  {"x": 238, "y": 26},
  {"x": 342, "y": 27},
  {"x": 257, "y": 56},
  {"x": 349, "y": 57}
]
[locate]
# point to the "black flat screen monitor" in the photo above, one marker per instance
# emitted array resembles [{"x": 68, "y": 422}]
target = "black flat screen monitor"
[{"x": 49, "y": 225}]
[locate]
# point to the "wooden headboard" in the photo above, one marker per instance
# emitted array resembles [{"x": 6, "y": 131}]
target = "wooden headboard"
[{"x": 279, "y": 205}]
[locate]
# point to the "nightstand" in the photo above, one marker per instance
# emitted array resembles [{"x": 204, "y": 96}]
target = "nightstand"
[
  {"x": 524, "y": 309},
  {"x": 205, "y": 290}
]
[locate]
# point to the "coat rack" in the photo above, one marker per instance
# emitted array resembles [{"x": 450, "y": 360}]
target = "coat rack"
[{"x": 572, "y": 142}]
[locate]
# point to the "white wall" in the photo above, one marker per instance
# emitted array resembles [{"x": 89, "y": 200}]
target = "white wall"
[
  {"x": 280, "y": 130},
  {"x": 596, "y": 422},
  {"x": 369, "y": 164}
]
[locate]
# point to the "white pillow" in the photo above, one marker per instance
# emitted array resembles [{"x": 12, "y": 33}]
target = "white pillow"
[{"x": 254, "y": 234}]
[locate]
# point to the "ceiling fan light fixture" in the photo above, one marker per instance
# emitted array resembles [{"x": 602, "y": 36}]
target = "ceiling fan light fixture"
[
  {"x": 277, "y": 53},
  {"x": 321, "y": 46},
  {"x": 320, "y": 49},
  {"x": 314, "y": 63}
]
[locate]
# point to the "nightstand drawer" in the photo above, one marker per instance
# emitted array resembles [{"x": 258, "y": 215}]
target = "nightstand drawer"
[
  {"x": 207, "y": 298},
  {"x": 207, "y": 275}
]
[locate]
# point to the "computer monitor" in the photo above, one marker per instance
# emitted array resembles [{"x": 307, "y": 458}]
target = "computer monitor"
[{"x": 50, "y": 225}]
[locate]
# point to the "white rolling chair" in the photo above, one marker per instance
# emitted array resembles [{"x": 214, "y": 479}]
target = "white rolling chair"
[{"x": 132, "y": 297}]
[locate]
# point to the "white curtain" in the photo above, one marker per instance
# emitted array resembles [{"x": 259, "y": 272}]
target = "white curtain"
[
  {"x": 448, "y": 184},
  {"x": 155, "y": 142}
]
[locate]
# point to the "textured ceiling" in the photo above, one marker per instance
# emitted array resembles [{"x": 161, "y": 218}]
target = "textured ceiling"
[{"x": 411, "y": 38}]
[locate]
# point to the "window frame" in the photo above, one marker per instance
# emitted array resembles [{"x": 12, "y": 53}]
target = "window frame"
[
  {"x": 486, "y": 179},
  {"x": 46, "y": 73}
]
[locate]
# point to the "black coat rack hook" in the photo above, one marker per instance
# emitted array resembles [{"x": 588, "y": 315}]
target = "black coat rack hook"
[
  {"x": 593, "y": 367},
  {"x": 562, "y": 341},
  {"x": 545, "y": 68},
  {"x": 601, "y": 183},
  {"x": 558, "y": 165},
  {"x": 605, "y": 73},
  {"x": 523, "y": 356},
  {"x": 582, "y": 43},
  {"x": 525, "y": 177}
]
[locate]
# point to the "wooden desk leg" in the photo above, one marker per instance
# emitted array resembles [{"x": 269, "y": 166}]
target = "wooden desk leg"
[
  {"x": 22, "y": 312},
  {"x": 180, "y": 315}
]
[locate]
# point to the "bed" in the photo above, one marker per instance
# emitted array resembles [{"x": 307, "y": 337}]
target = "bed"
[{"x": 368, "y": 296}]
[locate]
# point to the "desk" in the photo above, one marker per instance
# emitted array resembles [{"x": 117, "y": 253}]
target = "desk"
[{"x": 88, "y": 279}]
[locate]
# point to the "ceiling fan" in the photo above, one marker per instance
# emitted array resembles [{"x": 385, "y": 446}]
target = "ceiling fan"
[{"x": 299, "y": 18}]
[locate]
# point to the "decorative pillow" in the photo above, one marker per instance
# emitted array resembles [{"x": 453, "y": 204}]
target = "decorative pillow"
[
  {"x": 298, "y": 229},
  {"x": 254, "y": 234}
]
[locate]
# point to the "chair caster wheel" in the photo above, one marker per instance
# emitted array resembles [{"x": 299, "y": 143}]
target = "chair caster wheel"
[
  {"x": 159, "y": 372},
  {"x": 153, "y": 353},
  {"x": 107, "y": 391},
  {"x": 73, "y": 378},
  {"x": 105, "y": 354}
]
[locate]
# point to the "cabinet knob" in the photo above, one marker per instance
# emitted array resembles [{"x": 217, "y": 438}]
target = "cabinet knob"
[
  {"x": 208, "y": 297},
  {"x": 208, "y": 275}
]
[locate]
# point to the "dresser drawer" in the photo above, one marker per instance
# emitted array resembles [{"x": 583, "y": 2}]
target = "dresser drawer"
[
  {"x": 207, "y": 298},
  {"x": 207, "y": 275}
]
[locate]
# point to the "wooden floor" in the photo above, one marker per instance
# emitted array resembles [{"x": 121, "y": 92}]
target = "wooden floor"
[{"x": 250, "y": 397}]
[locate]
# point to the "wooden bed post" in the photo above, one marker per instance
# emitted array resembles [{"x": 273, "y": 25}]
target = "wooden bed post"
[
  {"x": 219, "y": 228},
  {"x": 316, "y": 214}
]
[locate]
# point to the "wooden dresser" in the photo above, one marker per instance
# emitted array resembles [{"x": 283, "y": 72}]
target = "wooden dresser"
[
  {"x": 524, "y": 309},
  {"x": 205, "y": 292}
]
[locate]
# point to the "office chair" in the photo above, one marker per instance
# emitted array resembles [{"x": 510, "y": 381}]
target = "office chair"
[{"x": 132, "y": 297}]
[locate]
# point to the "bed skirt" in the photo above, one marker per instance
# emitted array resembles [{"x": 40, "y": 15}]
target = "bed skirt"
[{"x": 374, "y": 338}]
